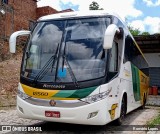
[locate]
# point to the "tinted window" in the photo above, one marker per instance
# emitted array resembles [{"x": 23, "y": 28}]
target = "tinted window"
[
  {"x": 58, "y": 49},
  {"x": 133, "y": 54},
  {"x": 113, "y": 66}
]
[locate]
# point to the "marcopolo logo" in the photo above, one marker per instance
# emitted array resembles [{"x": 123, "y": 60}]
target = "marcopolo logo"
[{"x": 53, "y": 86}]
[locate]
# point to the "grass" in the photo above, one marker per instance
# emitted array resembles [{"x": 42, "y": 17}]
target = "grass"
[{"x": 154, "y": 122}]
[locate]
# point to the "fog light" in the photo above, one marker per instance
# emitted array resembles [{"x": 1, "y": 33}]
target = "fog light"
[
  {"x": 93, "y": 114},
  {"x": 20, "y": 109}
]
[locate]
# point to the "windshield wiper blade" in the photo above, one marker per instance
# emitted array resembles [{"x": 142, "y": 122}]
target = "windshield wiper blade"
[
  {"x": 46, "y": 67},
  {"x": 73, "y": 77}
]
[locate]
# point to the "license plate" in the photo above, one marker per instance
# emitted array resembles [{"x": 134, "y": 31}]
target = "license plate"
[{"x": 54, "y": 114}]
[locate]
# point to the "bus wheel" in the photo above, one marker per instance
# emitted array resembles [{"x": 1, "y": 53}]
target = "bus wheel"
[
  {"x": 122, "y": 113},
  {"x": 144, "y": 102}
]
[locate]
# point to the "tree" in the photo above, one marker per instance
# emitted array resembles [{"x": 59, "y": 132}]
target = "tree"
[
  {"x": 94, "y": 6},
  {"x": 134, "y": 31},
  {"x": 145, "y": 33}
]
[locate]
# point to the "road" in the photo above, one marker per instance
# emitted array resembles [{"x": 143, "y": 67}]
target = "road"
[{"x": 137, "y": 117}]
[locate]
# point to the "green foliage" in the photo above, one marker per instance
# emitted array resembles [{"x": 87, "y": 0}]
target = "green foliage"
[
  {"x": 94, "y": 6},
  {"x": 134, "y": 31},
  {"x": 145, "y": 33},
  {"x": 154, "y": 122}
]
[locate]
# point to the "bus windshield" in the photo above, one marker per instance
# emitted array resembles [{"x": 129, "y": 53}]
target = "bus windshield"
[{"x": 63, "y": 50}]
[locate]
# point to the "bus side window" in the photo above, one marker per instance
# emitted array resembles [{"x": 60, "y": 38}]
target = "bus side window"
[
  {"x": 127, "y": 51},
  {"x": 113, "y": 66},
  {"x": 132, "y": 54}
]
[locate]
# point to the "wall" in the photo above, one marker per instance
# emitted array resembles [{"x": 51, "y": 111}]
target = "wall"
[
  {"x": 42, "y": 11},
  {"x": 17, "y": 15},
  {"x": 154, "y": 68},
  {"x": 24, "y": 11},
  {"x": 153, "y": 59}
]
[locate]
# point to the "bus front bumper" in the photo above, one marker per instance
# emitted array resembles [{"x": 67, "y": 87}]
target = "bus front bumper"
[{"x": 77, "y": 115}]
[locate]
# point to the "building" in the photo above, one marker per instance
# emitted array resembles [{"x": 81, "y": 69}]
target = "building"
[
  {"x": 150, "y": 46},
  {"x": 16, "y": 15},
  {"x": 42, "y": 11}
]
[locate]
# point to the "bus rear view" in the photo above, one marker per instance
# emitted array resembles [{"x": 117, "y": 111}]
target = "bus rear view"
[{"x": 64, "y": 70}]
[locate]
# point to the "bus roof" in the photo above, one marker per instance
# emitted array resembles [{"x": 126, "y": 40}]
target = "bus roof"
[{"x": 77, "y": 14}]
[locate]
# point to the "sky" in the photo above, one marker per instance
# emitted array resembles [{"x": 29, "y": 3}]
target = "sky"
[{"x": 141, "y": 14}]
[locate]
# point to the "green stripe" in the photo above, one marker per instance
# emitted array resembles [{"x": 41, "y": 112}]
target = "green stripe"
[
  {"x": 64, "y": 93},
  {"x": 79, "y": 93},
  {"x": 82, "y": 93},
  {"x": 136, "y": 82}
]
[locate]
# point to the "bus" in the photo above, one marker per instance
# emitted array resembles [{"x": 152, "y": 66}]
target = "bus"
[{"x": 80, "y": 68}]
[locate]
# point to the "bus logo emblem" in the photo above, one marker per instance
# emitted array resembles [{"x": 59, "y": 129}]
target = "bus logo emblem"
[{"x": 52, "y": 102}]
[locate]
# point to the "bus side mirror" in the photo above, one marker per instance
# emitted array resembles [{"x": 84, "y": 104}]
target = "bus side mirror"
[
  {"x": 13, "y": 38},
  {"x": 109, "y": 36}
]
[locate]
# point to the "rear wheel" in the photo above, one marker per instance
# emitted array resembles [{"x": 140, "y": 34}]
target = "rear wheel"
[
  {"x": 144, "y": 102},
  {"x": 122, "y": 113}
]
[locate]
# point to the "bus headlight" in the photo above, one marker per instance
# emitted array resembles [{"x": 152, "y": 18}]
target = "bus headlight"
[
  {"x": 22, "y": 95},
  {"x": 97, "y": 97}
]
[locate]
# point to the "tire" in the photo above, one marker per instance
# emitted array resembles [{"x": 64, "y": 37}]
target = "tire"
[
  {"x": 122, "y": 112},
  {"x": 144, "y": 103}
]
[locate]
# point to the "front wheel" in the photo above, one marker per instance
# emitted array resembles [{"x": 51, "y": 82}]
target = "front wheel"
[{"x": 122, "y": 113}]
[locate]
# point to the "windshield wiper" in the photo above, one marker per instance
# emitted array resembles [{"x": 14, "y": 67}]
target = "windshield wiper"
[
  {"x": 46, "y": 67},
  {"x": 71, "y": 72},
  {"x": 69, "y": 68}
]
